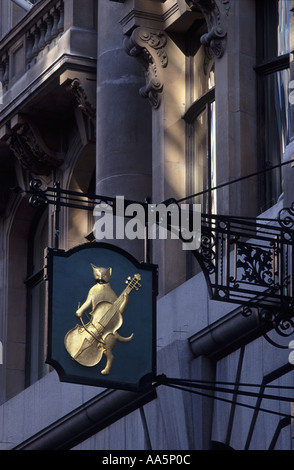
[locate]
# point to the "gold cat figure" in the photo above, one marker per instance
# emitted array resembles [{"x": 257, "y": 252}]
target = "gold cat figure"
[{"x": 86, "y": 344}]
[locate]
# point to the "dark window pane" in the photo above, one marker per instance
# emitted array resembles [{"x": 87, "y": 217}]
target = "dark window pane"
[{"x": 275, "y": 28}]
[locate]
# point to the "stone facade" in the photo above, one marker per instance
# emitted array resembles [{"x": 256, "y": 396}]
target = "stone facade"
[{"x": 140, "y": 98}]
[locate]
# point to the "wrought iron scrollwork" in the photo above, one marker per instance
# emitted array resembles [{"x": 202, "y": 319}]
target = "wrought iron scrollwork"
[
  {"x": 249, "y": 262},
  {"x": 38, "y": 196},
  {"x": 275, "y": 324},
  {"x": 286, "y": 221},
  {"x": 256, "y": 264},
  {"x": 207, "y": 252}
]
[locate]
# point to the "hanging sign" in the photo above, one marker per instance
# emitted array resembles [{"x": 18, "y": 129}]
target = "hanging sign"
[{"x": 101, "y": 317}]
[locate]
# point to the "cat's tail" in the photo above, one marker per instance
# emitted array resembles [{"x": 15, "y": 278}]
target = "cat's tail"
[{"x": 122, "y": 339}]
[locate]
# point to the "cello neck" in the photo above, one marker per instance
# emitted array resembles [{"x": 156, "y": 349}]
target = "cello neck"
[{"x": 132, "y": 284}]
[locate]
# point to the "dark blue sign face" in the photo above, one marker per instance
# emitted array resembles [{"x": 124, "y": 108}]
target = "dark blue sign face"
[{"x": 101, "y": 317}]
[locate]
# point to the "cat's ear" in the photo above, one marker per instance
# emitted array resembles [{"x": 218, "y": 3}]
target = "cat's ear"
[{"x": 94, "y": 270}]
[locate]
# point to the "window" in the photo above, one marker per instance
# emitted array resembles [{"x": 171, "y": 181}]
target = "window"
[
  {"x": 273, "y": 85},
  {"x": 36, "y": 300},
  {"x": 200, "y": 121},
  {"x": 200, "y": 127}
]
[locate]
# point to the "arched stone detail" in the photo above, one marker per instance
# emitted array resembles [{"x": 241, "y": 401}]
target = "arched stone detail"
[{"x": 27, "y": 144}]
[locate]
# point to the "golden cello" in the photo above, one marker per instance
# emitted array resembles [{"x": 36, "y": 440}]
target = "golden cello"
[{"x": 87, "y": 343}]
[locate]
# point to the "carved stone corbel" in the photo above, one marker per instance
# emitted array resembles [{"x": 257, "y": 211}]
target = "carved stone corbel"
[
  {"x": 85, "y": 113},
  {"x": 215, "y": 38},
  {"x": 149, "y": 47},
  {"x": 75, "y": 87},
  {"x": 29, "y": 148}
]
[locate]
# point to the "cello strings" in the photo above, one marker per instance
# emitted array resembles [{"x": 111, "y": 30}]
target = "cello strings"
[{"x": 111, "y": 311}]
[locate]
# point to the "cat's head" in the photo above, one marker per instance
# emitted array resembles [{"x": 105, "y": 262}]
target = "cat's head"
[{"x": 101, "y": 275}]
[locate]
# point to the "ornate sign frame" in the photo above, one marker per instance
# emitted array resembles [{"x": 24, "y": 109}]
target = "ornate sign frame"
[{"x": 114, "y": 344}]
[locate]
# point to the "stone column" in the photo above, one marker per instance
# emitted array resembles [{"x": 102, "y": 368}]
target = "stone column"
[{"x": 124, "y": 140}]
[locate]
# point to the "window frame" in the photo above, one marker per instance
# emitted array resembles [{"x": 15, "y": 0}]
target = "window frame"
[
  {"x": 264, "y": 68},
  {"x": 35, "y": 277},
  {"x": 193, "y": 112}
]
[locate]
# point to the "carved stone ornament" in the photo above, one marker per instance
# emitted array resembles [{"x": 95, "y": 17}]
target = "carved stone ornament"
[
  {"x": 84, "y": 104},
  {"x": 31, "y": 151},
  {"x": 86, "y": 117},
  {"x": 149, "y": 47},
  {"x": 215, "y": 38}
]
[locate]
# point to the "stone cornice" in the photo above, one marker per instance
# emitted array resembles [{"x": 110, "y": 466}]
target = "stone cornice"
[{"x": 151, "y": 14}]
